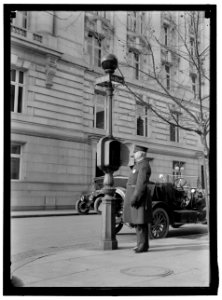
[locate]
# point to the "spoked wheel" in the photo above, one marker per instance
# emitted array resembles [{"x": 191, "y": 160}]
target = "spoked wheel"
[
  {"x": 118, "y": 214},
  {"x": 82, "y": 207},
  {"x": 160, "y": 225}
]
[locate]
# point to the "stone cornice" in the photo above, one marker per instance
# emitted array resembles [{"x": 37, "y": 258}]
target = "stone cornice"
[
  {"x": 41, "y": 130},
  {"x": 34, "y": 46}
]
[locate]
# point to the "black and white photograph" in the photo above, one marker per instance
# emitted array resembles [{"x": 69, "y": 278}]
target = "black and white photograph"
[{"x": 111, "y": 142}]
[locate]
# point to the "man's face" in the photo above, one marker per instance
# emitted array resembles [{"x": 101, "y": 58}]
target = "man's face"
[{"x": 138, "y": 155}]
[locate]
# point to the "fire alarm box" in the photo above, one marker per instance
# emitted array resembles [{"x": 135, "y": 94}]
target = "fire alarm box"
[{"x": 108, "y": 154}]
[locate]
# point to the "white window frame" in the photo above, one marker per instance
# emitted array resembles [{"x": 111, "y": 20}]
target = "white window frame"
[
  {"x": 18, "y": 156},
  {"x": 18, "y": 85}
]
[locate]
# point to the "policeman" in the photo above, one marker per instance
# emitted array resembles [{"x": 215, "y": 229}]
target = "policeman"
[{"x": 137, "y": 204}]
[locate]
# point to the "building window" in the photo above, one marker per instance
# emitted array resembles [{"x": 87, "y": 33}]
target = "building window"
[
  {"x": 136, "y": 22},
  {"x": 194, "y": 85},
  {"x": 99, "y": 112},
  {"x": 167, "y": 70},
  {"x": 94, "y": 46},
  {"x": 192, "y": 50},
  {"x": 15, "y": 161},
  {"x": 178, "y": 168},
  {"x": 17, "y": 90},
  {"x": 165, "y": 35},
  {"x": 105, "y": 14},
  {"x": 131, "y": 21},
  {"x": 136, "y": 64},
  {"x": 21, "y": 19},
  {"x": 202, "y": 177},
  {"x": 174, "y": 133},
  {"x": 141, "y": 23},
  {"x": 142, "y": 120}
]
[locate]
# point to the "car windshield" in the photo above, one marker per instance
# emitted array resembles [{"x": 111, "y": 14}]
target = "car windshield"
[
  {"x": 98, "y": 183},
  {"x": 119, "y": 181}
]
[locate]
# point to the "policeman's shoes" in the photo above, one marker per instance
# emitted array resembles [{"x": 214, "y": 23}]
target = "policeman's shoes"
[
  {"x": 140, "y": 251},
  {"x": 136, "y": 250}
]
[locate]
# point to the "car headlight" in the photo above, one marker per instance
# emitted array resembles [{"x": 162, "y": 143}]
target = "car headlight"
[{"x": 91, "y": 197}]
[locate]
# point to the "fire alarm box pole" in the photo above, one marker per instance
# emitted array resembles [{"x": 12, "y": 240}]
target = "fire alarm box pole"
[
  {"x": 108, "y": 159},
  {"x": 109, "y": 93}
]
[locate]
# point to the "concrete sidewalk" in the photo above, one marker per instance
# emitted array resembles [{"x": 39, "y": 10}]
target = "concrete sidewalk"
[{"x": 171, "y": 262}]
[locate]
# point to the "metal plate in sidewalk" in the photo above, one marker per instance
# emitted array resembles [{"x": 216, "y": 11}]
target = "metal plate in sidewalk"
[{"x": 147, "y": 271}]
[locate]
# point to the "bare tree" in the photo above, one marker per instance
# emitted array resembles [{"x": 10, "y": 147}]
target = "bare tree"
[{"x": 187, "y": 55}]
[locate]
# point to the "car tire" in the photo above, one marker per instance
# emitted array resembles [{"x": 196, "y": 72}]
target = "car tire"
[
  {"x": 160, "y": 226},
  {"x": 81, "y": 207},
  {"x": 118, "y": 227},
  {"x": 98, "y": 205}
]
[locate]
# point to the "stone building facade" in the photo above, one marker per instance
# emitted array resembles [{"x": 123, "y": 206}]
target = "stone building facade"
[{"x": 58, "y": 114}]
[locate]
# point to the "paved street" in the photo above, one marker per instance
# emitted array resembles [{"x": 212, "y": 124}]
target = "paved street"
[
  {"x": 66, "y": 251},
  {"x": 31, "y": 236}
]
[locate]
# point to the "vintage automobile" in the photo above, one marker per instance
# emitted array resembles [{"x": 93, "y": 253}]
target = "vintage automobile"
[
  {"x": 174, "y": 203},
  {"x": 93, "y": 200}
]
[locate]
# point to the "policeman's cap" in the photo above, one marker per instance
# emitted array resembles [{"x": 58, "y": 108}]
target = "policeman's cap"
[{"x": 140, "y": 148}]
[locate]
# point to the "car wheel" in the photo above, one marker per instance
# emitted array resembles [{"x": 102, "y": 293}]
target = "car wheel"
[
  {"x": 118, "y": 215},
  {"x": 98, "y": 205},
  {"x": 81, "y": 207},
  {"x": 160, "y": 225}
]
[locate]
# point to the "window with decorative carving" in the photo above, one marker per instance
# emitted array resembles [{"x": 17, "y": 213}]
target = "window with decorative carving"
[
  {"x": 99, "y": 111},
  {"x": 141, "y": 120},
  {"x": 17, "y": 90},
  {"x": 15, "y": 161},
  {"x": 94, "y": 48}
]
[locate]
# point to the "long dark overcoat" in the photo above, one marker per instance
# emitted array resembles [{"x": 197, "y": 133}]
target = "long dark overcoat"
[{"x": 138, "y": 194}]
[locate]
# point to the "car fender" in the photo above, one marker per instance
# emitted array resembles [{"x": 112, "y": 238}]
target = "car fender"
[{"x": 121, "y": 191}]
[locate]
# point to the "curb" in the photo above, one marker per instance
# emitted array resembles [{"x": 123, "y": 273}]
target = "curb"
[{"x": 54, "y": 214}]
